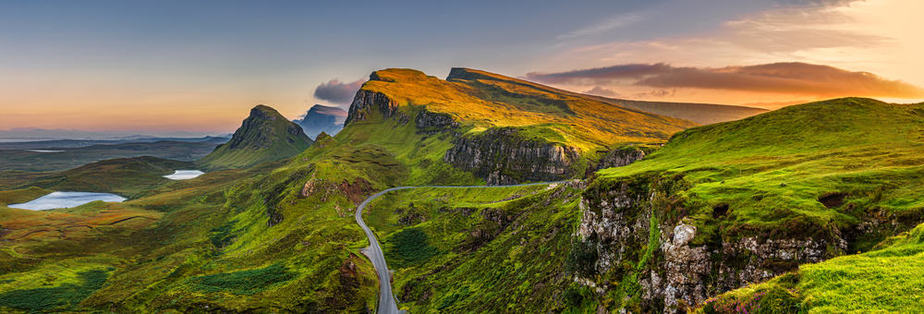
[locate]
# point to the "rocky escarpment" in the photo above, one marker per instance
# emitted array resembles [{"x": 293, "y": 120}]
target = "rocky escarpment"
[
  {"x": 499, "y": 155},
  {"x": 433, "y": 122},
  {"x": 637, "y": 233},
  {"x": 367, "y": 103},
  {"x": 622, "y": 156},
  {"x": 502, "y": 156}
]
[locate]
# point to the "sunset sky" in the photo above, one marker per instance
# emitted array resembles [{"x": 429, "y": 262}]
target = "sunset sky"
[{"x": 164, "y": 66}]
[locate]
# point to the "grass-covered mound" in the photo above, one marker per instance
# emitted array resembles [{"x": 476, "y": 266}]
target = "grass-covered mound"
[
  {"x": 483, "y": 100},
  {"x": 264, "y": 136},
  {"x": 886, "y": 279},
  {"x": 821, "y": 167}
]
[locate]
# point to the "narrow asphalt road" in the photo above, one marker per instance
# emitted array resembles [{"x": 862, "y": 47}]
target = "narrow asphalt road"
[{"x": 387, "y": 303}]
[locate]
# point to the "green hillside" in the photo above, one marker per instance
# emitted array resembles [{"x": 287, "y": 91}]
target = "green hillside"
[
  {"x": 264, "y": 136},
  {"x": 774, "y": 171}
]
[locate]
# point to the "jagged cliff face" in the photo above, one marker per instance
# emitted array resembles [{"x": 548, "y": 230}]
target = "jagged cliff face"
[
  {"x": 640, "y": 238},
  {"x": 501, "y": 156},
  {"x": 367, "y": 103}
]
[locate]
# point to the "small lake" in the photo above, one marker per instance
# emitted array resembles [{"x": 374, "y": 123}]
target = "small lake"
[
  {"x": 66, "y": 200},
  {"x": 184, "y": 174}
]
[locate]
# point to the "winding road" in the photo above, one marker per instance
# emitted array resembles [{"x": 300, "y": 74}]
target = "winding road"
[{"x": 387, "y": 303}]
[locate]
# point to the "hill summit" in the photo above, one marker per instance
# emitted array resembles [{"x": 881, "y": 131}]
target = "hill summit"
[{"x": 264, "y": 136}]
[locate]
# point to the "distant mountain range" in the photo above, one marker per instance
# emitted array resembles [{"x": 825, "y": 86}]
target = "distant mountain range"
[
  {"x": 322, "y": 118},
  {"x": 696, "y": 112}
]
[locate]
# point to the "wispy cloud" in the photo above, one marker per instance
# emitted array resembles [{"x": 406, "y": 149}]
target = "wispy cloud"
[{"x": 603, "y": 26}]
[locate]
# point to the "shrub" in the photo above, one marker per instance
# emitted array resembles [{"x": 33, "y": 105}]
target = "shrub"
[
  {"x": 410, "y": 246},
  {"x": 245, "y": 282}
]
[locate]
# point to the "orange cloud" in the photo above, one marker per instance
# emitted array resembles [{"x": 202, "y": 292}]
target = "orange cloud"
[{"x": 792, "y": 78}]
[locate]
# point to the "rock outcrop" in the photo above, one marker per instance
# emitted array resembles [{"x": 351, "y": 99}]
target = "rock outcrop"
[
  {"x": 621, "y": 156},
  {"x": 502, "y": 156},
  {"x": 434, "y": 122},
  {"x": 640, "y": 231},
  {"x": 367, "y": 103}
]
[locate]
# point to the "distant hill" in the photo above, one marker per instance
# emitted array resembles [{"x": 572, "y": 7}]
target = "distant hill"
[
  {"x": 38, "y": 134},
  {"x": 123, "y": 176},
  {"x": 696, "y": 112},
  {"x": 75, "y": 143},
  {"x": 322, "y": 118},
  {"x": 61, "y": 155},
  {"x": 264, "y": 136}
]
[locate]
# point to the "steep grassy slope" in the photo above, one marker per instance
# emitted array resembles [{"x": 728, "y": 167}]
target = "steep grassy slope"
[
  {"x": 264, "y": 136},
  {"x": 483, "y": 100},
  {"x": 821, "y": 163}
]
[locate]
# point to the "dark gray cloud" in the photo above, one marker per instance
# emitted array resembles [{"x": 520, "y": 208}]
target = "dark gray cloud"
[
  {"x": 789, "y": 78},
  {"x": 338, "y": 92}
]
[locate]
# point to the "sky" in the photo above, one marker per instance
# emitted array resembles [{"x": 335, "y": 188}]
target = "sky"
[{"x": 196, "y": 67}]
